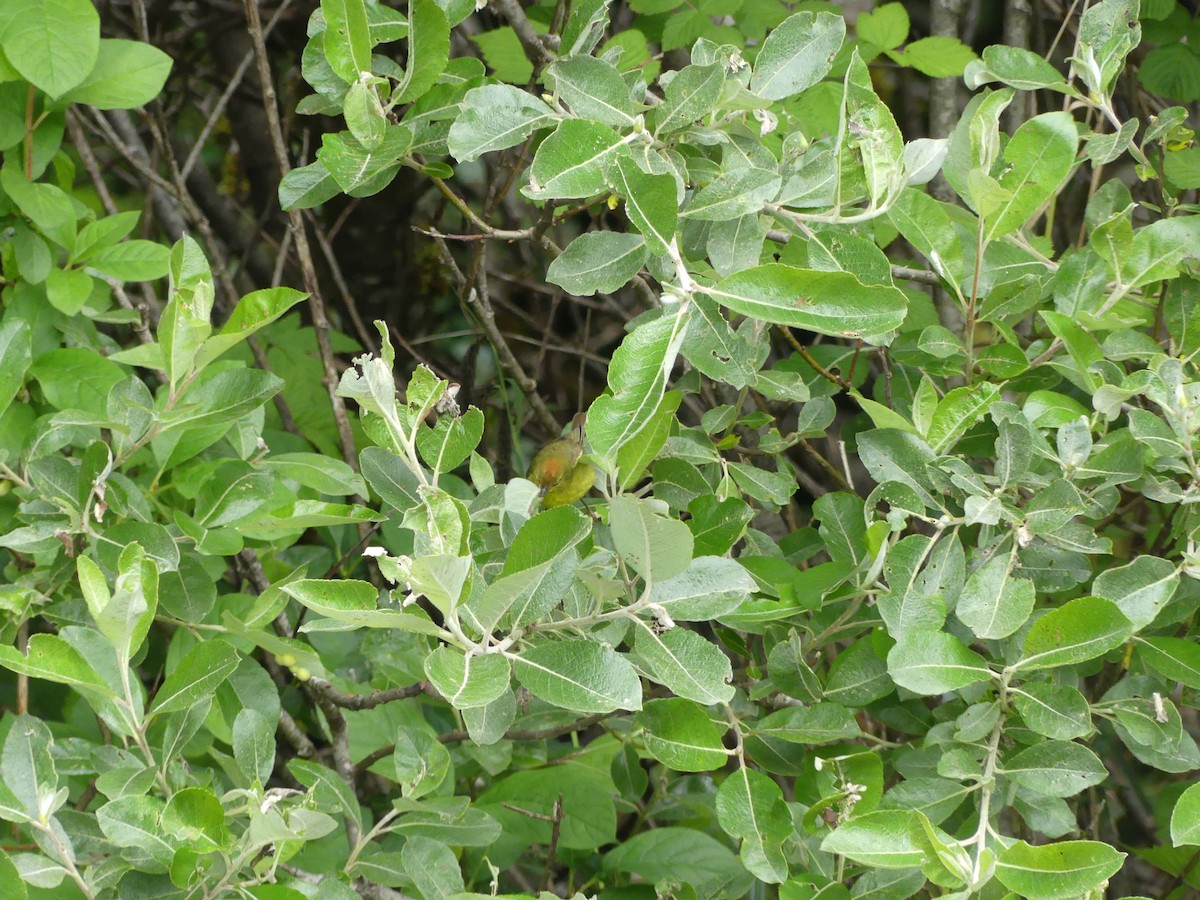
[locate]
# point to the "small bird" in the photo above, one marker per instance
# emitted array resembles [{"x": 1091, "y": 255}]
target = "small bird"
[{"x": 557, "y": 469}]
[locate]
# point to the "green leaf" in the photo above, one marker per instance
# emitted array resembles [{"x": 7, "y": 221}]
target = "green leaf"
[
  {"x": 456, "y": 825},
  {"x": 15, "y": 356},
  {"x": 495, "y": 117},
  {"x": 446, "y": 445},
  {"x": 431, "y": 865},
  {"x": 585, "y": 28},
  {"x": 885, "y": 27},
  {"x": 881, "y": 840},
  {"x": 525, "y": 596},
  {"x": 1017, "y": 67},
  {"x": 127, "y": 74},
  {"x": 833, "y": 303},
  {"x": 571, "y": 162},
  {"x": 51, "y": 658},
  {"x": 654, "y": 546},
  {"x": 1056, "y": 711},
  {"x": 680, "y": 735},
  {"x": 198, "y": 674},
  {"x": 589, "y": 819},
  {"x": 873, "y": 132},
  {"x": 1055, "y": 768},
  {"x": 306, "y": 187},
  {"x": 1039, "y": 157},
  {"x": 1061, "y": 871},
  {"x": 347, "y": 39},
  {"x": 822, "y": 723},
  {"x": 53, "y": 44},
  {"x": 925, "y": 223},
  {"x": 650, "y": 202},
  {"x": 1172, "y": 71},
  {"x": 69, "y": 290},
  {"x": 593, "y": 89},
  {"x": 663, "y": 853},
  {"x": 127, "y": 614},
  {"x": 733, "y": 194},
  {"x": 254, "y": 745},
  {"x": 711, "y": 586},
  {"x": 329, "y": 791},
  {"x": 364, "y": 114},
  {"x": 797, "y": 54},
  {"x": 467, "y": 681},
  {"x": 580, "y": 675},
  {"x": 27, "y": 767},
  {"x": 133, "y": 260},
  {"x": 1182, "y": 168},
  {"x": 842, "y": 528},
  {"x": 1081, "y": 629},
  {"x": 236, "y": 492},
  {"x": 421, "y": 762},
  {"x": 428, "y": 50},
  {"x": 320, "y": 473},
  {"x": 47, "y": 206},
  {"x": 938, "y": 56},
  {"x": 503, "y": 53},
  {"x": 219, "y": 396},
  {"x": 356, "y": 603},
  {"x": 1140, "y": 589},
  {"x": 717, "y": 524},
  {"x": 361, "y": 171},
  {"x": 750, "y": 806},
  {"x": 11, "y": 883},
  {"x": 1176, "y": 659},
  {"x": 737, "y": 244},
  {"x": 603, "y": 261},
  {"x": 296, "y": 517},
  {"x": 957, "y": 411},
  {"x": 933, "y": 662},
  {"x": 256, "y": 310},
  {"x": 686, "y": 663},
  {"x": 689, "y": 96},
  {"x": 993, "y": 604},
  {"x": 194, "y": 816},
  {"x": 1185, "y": 818},
  {"x": 135, "y": 822},
  {"x": 637, "y": 378}
]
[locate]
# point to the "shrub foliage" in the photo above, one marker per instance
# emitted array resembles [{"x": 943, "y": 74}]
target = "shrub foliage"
[{"x": 887, "y": 586}]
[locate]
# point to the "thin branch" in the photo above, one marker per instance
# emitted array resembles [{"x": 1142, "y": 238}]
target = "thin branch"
[
  {"x": 316, "y": 304},
  {"x": 811, "y": 360},
  {"x": 481, "y": 307},
  {"x": 364, "y": 701},
  {"x": 535, "y": 46},
  {"x": 298, "y": 739},
  {"x": 234, "y": 81}
]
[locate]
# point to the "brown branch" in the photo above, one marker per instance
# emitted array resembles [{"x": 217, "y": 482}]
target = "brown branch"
[
  {"x": 811, "y": 360},
  {"x": 533, "y": 43},
  {"x": 298, "y": 739},
  {"x": 315, "y": 303},
  {"x": 480, "y": 307},
  {"x": 364, "y": 701}
]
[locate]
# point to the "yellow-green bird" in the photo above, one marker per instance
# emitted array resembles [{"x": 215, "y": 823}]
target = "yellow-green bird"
[{"x": 557, "y": 469}]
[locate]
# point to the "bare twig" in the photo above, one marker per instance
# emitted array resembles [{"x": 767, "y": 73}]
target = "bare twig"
[
  {"x": 316, "y": 304},
  {"x": 480, "y": 306},
  {"x": 298, "y": 739},
  {"x": 535, "y": 46},
  {"x": 364, "y": 701},
  {"x": 811, "y": 360}
]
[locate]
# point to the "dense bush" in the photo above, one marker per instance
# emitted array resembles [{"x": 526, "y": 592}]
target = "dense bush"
[{"x": 887, "y": 585}]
